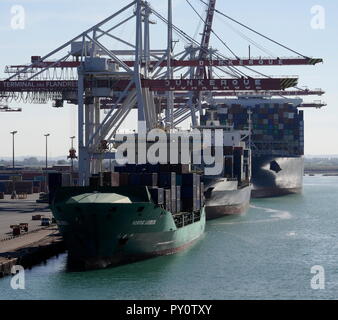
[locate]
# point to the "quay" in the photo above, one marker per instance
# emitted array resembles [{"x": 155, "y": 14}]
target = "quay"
[{"x": 30, "y": 248}]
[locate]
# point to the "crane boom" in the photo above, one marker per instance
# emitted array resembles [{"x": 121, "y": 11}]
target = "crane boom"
[
  {"x": 207, "y": 30},
  {"x": 203, "y": 54},
  {"x": 248, "y": 84},
  {"x": 266, "y": 62}
]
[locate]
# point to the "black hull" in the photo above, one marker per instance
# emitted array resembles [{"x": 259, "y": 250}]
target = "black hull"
[{"x": 274, "y": 176}]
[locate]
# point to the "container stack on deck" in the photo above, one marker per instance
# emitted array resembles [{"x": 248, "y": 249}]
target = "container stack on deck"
[
  {"x": 56, "y": 180},
  {"x": 237, "y": 164},
  {"x": 272, "y": 123},
  {"x": 173, "y": 186}
]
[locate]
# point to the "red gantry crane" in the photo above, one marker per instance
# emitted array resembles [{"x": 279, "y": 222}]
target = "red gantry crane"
[{"x": 86, "y": 72}]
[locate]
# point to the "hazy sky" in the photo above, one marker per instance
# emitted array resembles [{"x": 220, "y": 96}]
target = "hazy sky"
[{"x": 50, "y": 23}]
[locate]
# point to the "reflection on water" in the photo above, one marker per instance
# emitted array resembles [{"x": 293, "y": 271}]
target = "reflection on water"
[{"x": 265, "y": 254}]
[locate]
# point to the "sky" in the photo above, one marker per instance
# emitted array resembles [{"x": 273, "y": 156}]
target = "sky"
[{"x": 50, "y": 23}]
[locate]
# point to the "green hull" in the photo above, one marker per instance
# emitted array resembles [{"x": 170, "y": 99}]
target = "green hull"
[{"x": 120, "y": 225}]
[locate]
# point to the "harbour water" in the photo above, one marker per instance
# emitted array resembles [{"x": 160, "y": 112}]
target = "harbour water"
[{"x": 266, "y": 254}]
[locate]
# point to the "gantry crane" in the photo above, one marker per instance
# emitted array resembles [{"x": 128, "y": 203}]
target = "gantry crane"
[{"x": 86, "y": 72}]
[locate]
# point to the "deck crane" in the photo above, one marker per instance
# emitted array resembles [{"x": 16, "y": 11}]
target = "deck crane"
[{"x": 83, "y": 71}]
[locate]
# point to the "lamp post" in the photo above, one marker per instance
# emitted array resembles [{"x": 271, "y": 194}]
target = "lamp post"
[
  {"x": 46, "y": 187},
  {"x": 13, "y": 133},
  {"x": 72, "y": 147},
  {"x": 47, "y": 135},
  {"x": 71, "y": 156}
]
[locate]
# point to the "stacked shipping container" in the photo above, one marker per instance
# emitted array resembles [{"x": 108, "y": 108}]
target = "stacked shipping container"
[
  {"x": 169, "y": 185},
  {"x": 276, "y": 127}
]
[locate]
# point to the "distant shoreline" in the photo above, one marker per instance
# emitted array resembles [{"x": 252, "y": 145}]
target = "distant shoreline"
[{"x": 325, "y": 173}]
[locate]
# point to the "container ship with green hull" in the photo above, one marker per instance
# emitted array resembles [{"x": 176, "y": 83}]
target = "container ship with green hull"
[{"x": 111, "y": 226}]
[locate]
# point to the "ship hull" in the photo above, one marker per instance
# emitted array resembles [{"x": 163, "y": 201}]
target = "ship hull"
[
  {"x": 98, "y": 238},
  {"x": 277, "y": 176},
  {"x": 224, "y": 198}
]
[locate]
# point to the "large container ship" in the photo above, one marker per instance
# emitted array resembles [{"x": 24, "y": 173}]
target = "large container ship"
[
  {"x": 130, "y": 215},
  {"x": 229, "y": 192},
  {"x": 277, "y": 141}
]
